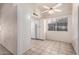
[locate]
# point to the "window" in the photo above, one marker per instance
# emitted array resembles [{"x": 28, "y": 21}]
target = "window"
[{"x": 58, "y": 24}]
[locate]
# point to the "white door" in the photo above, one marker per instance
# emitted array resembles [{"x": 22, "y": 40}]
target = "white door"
[
  {"x": 33, "y": 28},
  {"x": 40, "y": 29},
  {"x": 24, "y": 27}
]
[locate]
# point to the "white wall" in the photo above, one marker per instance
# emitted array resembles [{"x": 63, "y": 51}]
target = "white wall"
[
  {"x": 65, "y": 36},
  {"x": 75, "y": 39},
  {"x": 24, "y": 27},
  {"x": 0, "y": 31},
  {"x": 8, "y": 30}
]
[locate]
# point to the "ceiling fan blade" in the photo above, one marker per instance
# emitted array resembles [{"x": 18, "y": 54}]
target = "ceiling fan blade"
[
  {"x": 58, "y": 5},
  {"x": 45, "y": 11},
  {"x": 46, "y": 7},
  {"x": 57, "y": 10}
]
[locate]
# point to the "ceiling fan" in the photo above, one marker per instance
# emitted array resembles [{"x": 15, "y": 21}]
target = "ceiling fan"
[{"x": 52, "y": 10}]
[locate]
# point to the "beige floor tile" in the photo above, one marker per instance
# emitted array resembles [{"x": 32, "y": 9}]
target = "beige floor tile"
[{"x": 50, "y": 48}]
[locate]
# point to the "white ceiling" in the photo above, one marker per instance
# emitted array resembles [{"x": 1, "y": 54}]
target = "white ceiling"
[{"x": 65, "y": 7}]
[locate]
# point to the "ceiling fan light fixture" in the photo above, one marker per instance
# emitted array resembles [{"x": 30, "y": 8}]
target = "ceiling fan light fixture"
[{"x": 51, "y": 12}]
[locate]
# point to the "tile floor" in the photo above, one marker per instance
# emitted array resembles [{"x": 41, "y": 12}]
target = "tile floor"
[
  {"x": 4, "y": 51},
  {"x": 47, "y": 47}
]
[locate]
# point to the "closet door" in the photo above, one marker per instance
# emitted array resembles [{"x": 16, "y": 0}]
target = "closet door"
[
  {"x": 33, "y": 25},
  {"x": 40, "y": 30},
  {"x": 37, "y": 27}
]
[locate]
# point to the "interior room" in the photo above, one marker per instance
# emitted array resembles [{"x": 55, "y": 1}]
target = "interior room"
[
  {"x": 53, "y": 31},
  {"x": 39, "y": 29}
]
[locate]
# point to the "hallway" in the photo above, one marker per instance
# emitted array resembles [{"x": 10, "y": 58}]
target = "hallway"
[{"x": 50, "y": 48}]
